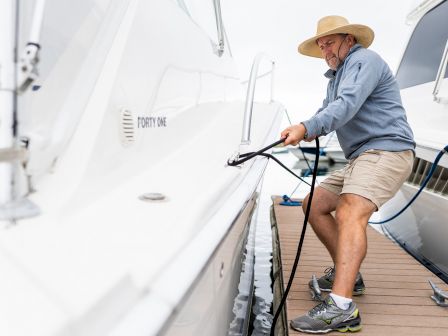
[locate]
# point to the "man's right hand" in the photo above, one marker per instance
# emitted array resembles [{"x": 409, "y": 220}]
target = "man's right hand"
[{"x": 293, "y": 134}]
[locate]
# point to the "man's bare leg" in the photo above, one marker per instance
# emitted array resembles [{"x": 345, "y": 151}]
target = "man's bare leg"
[
  {"x": 352, "y": 214},
  {"x": 321, "y": 219}
]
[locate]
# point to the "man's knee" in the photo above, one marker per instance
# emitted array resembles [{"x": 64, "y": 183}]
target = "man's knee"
[
  {"x": 324, "y": 202},
  {"x": 343, "y": 215},
  {"x": 354, "y": 209},
  {"x": 315, "y": 206}
]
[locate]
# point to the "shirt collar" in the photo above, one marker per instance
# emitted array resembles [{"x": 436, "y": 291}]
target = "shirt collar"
[{"x": 330, "y": 74}]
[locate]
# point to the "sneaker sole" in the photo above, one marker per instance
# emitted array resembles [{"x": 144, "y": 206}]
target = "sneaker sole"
[
  {"x": 313, "y": 331},
  {"x": 350, "y": 329},
  {"x": 355, "y": 328}
]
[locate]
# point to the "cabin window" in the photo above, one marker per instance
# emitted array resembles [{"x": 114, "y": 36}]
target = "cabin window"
[{"x": 424, "y": 51}]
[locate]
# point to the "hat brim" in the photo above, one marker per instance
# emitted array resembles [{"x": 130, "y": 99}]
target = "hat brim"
[{"x": 363, "y": 34}]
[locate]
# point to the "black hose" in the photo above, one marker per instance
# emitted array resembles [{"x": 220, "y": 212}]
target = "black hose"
[
  {"x": 248, "y": 156},
  {"x": 270, "y": 156}
]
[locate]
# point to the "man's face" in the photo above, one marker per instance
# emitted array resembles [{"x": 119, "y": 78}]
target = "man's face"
[{"x": 334, "y": 49}]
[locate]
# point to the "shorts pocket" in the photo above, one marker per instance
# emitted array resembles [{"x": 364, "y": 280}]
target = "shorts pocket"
[{"x": 371, "y": 155}]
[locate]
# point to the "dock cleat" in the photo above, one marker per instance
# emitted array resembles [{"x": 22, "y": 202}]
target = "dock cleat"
[
  {"x": 233, "y": 158},
  {"x": 326, "y": 317},
  {"x": 316, "y": 293},
  {"x": 325, "y": 282}
]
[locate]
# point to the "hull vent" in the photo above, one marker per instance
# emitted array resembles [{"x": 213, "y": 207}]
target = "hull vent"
[
  {"x": 438, "y": 182},
  {"x": 127, "y": 128}
]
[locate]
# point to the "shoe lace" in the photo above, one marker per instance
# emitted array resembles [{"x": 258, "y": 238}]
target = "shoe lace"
[{"x": 321, "y": 307}]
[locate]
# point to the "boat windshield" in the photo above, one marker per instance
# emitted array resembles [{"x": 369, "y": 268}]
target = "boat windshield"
[{"x": 423, "y": 54}]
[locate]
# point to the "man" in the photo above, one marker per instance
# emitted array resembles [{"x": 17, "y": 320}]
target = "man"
[{"x": 363, "y": 105}]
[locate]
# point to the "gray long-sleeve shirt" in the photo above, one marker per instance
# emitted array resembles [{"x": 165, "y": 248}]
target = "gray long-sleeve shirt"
[{"x": 363, "y": 105}]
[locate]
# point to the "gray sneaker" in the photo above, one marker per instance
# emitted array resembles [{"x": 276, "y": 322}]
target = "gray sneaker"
[
  {"x": 326, "y": 317},
  {"x": 326, "y": 282}
]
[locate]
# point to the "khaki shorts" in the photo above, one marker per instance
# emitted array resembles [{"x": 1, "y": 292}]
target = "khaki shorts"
[{"x": 375, "y": 174}]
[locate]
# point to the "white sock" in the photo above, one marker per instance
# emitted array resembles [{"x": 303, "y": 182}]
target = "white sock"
[{"x": 341, "y": 302}]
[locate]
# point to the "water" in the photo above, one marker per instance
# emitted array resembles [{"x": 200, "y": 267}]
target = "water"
[
  {"x": 262, "y": 304},
  {"x": 242, "y": 303},
  {"x": 252, "y": 306}
]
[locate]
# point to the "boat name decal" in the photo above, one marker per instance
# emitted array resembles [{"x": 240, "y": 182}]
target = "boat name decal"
[{"x": 151, "y": 122}]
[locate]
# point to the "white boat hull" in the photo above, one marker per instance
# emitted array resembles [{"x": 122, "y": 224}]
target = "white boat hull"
[{"x": 133, "y": 100}]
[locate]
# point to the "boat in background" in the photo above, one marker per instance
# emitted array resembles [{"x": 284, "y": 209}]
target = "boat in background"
[
  {"x": 119, "y": 214},
  {"x": 422, "y": 77}
]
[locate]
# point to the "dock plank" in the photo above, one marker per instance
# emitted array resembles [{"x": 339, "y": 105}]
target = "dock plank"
[{"x": 397, "y": 299}]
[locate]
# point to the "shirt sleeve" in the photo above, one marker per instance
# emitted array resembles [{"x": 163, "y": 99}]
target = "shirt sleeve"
[{"x": 359, "y": 80}]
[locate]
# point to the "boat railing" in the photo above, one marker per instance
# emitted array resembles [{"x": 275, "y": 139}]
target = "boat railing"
[
  {"x": 245, "y": 139},
  {"x": 219, "y": 26},
  {"x": 7, "y": 113},
  {"x": 15, "y": 79},
  {"x": 440, "y": 75}
]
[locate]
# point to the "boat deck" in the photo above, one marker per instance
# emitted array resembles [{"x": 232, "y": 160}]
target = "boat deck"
[{"x": 397, "y": 299}]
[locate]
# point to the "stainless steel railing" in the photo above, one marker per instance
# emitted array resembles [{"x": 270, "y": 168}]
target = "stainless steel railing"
[
  {"x": 220, "y": 28},
  {"x": 245, "y": 139},
  {"x": 441, "y": 75}
]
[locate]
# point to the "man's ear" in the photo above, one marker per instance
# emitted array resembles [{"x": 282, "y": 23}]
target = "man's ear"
[{"x": 351, "y": 39}]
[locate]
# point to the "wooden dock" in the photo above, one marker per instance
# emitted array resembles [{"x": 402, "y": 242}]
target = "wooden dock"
[{"x": 397, "y": 299}]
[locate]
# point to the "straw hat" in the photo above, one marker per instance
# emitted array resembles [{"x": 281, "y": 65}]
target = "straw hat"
[{"x": 334, "y": 24}]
